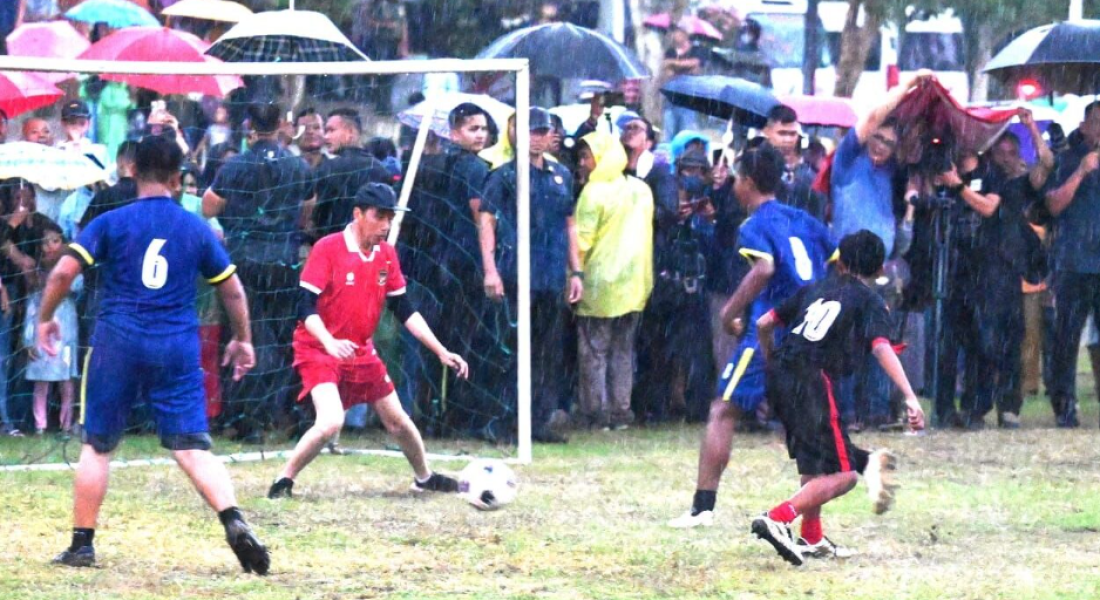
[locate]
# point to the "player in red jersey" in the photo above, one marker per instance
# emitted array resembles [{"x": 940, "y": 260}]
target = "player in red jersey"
[{"x": 346, "y": 281}]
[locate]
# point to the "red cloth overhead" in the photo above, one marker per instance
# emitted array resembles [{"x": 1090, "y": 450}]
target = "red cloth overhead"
[{"x": 972, "y": 128}]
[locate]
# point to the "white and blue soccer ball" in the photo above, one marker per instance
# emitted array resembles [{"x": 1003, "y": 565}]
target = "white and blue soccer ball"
[{"x": 488, "y": 484}]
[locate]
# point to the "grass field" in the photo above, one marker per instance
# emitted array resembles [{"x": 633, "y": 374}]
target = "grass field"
[{"x": 985, "y": 515}]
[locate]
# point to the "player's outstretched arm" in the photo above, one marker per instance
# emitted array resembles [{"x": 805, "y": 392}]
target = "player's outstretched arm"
[
  {"x": 888, "y": 359},
  {"x": 57, "y": 287},
  {"x": 420, "y": 330},
  {"x": 239, "y": 351}
]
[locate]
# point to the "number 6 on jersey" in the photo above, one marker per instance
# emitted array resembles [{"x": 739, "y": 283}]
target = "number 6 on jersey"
[{"x": 154, "y": 267}]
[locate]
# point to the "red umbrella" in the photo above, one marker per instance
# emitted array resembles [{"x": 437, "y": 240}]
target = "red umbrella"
[
  {"x": 692, "y": 25},
  {"x": 49, "y": 39},
  {"x": 21, "y": 92},
  {"x": 158, "y": 44},
  {"x": 822, "y": 110}
]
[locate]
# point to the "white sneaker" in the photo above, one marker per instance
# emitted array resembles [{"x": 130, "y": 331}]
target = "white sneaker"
[
  {"x": 824, "y": 549},
  {"x": 688, "y": 520},
  {"x": 879, "y": 476},
  {"x": 779, "y": 536}
]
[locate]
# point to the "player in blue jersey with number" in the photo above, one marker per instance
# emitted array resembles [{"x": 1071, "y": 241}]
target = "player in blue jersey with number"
[
  {"x": 146, "y": 342},
  {"x": 788, "y": 249}
]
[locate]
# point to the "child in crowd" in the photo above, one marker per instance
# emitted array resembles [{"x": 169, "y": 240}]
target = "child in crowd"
[{"x": 42, "y": 369}]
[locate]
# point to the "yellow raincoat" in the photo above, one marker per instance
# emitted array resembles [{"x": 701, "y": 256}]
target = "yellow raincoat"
[{"x": 614, "y": 218}]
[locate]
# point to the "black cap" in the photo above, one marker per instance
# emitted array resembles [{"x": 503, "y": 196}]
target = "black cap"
[
  {"x": 540, "y": 119},
  {"x": 75, "y": 110},
  {"x": 378, "y": 195}
]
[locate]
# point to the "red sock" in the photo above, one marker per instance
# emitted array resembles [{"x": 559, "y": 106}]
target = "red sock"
[
  {"x": 784, "y": 513},
  {"x": 811, "y": 529}
]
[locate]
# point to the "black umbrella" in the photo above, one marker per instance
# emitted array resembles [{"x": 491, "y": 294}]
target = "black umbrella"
[
  {"x": 745, "y": 102},
  {"x": 567, "y": 51},
  {"x": 1062, "y": 57},
  {"x": 285, "y": 36}
]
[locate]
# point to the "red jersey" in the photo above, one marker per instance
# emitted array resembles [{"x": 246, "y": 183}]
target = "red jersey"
[{"x": 352, "y": 288}]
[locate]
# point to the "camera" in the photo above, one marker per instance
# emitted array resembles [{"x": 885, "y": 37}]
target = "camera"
[{"x": 938, "y": 156}]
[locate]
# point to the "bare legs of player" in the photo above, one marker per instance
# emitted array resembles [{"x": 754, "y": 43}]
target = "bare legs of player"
[
  {"x": 330, "y": 419},
  {"x": 714, "y": 454},
  {"x": 207, "y": 473},
  {"x": 818, "y": 489},
  {"x": 401, "y": 427},
  {"x": 209, "y": 476}
]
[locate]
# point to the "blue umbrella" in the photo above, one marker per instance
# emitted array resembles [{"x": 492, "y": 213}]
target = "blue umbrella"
[
  {"x": 724, "y": 97},
  {"x": 115, "y": 13},
  {"x": 566, "y": 51},
  {"x": 1061, "y": 57}
]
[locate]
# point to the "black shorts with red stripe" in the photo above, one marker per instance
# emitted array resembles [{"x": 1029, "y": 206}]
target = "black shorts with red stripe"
[{"x": 804, "y": 401}]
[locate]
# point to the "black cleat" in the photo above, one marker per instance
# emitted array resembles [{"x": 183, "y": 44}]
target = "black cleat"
[
  {"x": 81, "y": 557},
  {"x": 282, "y": 488},
  {"x": 436, "y": 483},
  {"x": 779, "y": 536},
  {"x": 252, "y": 554}
]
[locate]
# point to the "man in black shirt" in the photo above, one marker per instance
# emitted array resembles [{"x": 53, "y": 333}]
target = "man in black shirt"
[
  {"x": 339, "y": 178},
  {"x": 258, "y": 198},
  {"x": 835, "y": 322},
  {"x": 122, "y": 192}
]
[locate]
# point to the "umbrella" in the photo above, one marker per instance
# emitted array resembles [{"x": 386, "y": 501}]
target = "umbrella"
[
  {"x": 567, "y": 51},
  {"x": 1062, "y": 57},
  {"x": 439, "y": 107},
  {"x": 209, "y": 10},
  {"x": 822, "y": 110},
  {"x": 690, "y": 24},
  {"x": 156, "y": 44},
  {"x": 115, "y": 13},
  {"x": 21, "y": 92},
  {"x": 285, "y": 36},
  {"x": 48, "y": 167},
  {"x": 52, "y": 39},
  {"x": 724, "y": 97}
]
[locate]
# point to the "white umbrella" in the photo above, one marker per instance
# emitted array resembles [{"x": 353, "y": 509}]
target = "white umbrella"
[
  {"x": 209, "y": 10},
  {"x": 440, "y": 107},
  {"x": 285, "y": 36},
  {"x": 49, "y": 168}
]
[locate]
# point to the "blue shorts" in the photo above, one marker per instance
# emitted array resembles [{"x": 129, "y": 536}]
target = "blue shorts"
[
  {"x": 120, "y": 368},
  {"x": 742, "y": 380}
]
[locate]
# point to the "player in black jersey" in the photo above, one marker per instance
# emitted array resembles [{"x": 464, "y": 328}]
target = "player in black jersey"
[{"x": 833, "y": 322}]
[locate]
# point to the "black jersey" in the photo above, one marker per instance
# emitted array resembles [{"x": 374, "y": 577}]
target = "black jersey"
[{"x": 832, "y": 324}]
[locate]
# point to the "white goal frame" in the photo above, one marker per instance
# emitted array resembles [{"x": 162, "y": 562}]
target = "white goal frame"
[{"x": 518, "y": 66}]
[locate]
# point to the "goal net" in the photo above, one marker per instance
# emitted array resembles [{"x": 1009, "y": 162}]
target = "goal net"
[{"x": 287, "y": 192}]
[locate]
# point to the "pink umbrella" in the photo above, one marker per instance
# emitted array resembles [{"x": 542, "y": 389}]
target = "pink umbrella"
[
  {"x": 692, "y": 25},
  {"x": 157, "y": 44},
  {"x": 822, "y": 110},
  {"x": 21, "y": 92},
  {"x": 52, "y": 39}
]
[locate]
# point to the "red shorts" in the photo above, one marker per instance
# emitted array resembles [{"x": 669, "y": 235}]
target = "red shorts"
[{"x": 361, "y": 379}]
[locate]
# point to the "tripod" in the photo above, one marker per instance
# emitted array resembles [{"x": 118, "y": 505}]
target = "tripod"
[{"x": 941, "y": 257}]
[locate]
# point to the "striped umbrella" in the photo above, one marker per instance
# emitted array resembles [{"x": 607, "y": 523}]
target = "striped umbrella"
[
  {"x": 49, "y": 168},
  {"x": 285, "y": 36},
  {"x": 21, "y": 92}
]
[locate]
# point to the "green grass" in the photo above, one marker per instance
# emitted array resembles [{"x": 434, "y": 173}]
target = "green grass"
[{"x": 981, "y": 515}]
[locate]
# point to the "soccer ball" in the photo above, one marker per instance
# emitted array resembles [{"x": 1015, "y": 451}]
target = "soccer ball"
[{"x": 488, "y": 484}]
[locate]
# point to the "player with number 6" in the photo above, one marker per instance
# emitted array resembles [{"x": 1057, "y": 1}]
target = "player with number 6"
[
  {"x": 787, "y": 249},
  {"x": 146, "y": 344}
]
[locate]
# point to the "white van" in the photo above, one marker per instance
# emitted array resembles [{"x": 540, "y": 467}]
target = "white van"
[{"x": 933, "y": 42}]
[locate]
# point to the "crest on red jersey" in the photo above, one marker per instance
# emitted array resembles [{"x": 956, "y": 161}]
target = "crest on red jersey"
[{"x": 383, "y": 275}]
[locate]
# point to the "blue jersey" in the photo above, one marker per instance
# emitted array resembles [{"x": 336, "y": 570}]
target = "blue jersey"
[
  {"x": 797, "y": 244},
  {"x": 151, "y": 254}
]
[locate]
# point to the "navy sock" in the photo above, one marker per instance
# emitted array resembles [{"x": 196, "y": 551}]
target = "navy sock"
[
  {"x": 704, "y": 500},
  {"x": 81, "y": 537},
  {"x": 230, "y": 514}
]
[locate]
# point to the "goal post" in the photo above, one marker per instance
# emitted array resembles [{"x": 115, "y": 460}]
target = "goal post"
[{"x": 517, "y": 67}]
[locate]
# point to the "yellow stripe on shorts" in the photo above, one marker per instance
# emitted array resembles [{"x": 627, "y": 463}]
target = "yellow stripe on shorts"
[
  {"x": 84, "y": 387},
  {"x": 742, "y": 366}
]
